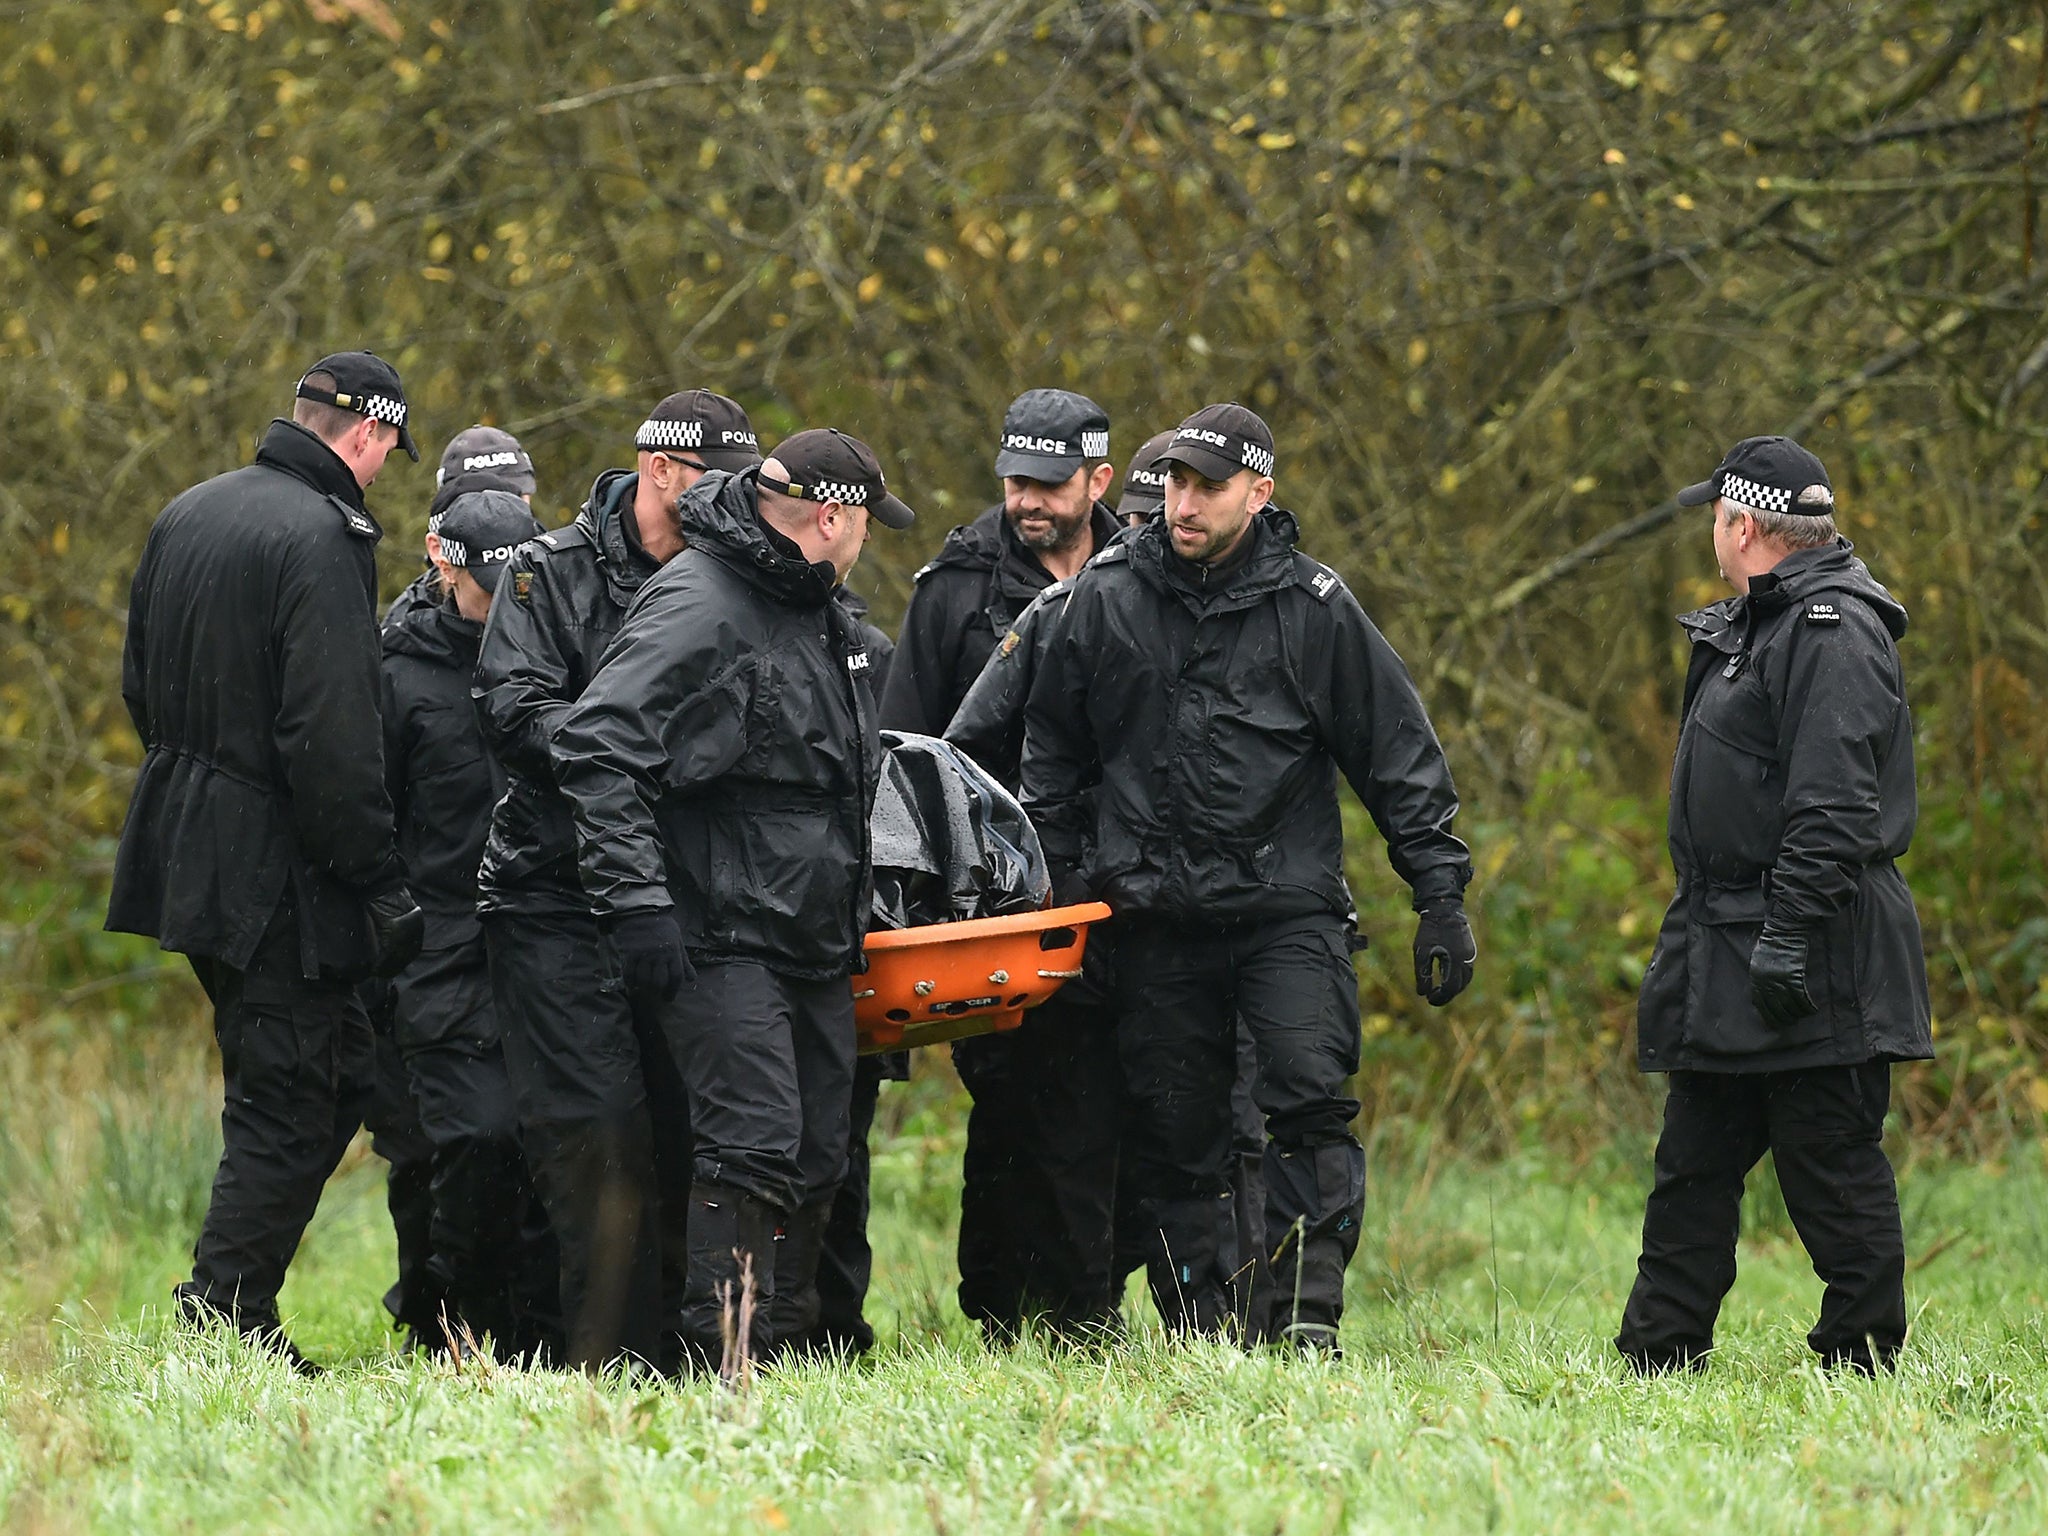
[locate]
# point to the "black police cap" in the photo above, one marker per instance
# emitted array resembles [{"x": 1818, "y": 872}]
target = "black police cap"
[
  {"x": 1144, "y": 489},
  {"x": 1050, "y": 433},
  {"x": 1219, "y": 440},
  {"x": 826, "y": 465},
  {"x": 1772, "y": 474},
  {"x": 704, "y": 426},
  {"x": 363, "y": 383},
  {"x": 481, "y": 529},
  {"x": 479, "y": 458}
]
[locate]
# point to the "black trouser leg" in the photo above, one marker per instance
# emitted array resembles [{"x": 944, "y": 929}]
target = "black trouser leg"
[
  {"x": 297, "y": 1063},
  {"x": 1714, "y": 1132},
  {"x": 574, "y": 1063},
  {"x": 999, "y": 1199},
  {"x": 1037, "y": 1218},
  {"x": 393, "y": 1119},
  {"x": 1298, "y": 995},
  {"x": 1251, "y": 1287},
  {"x": 447, "y": 1028},
  {"x": 1176, "y": 1023},
  {"x": 668, "y": 1117},
  {"x": 1827, "y": 1139},
  {"x": 768, "y": 1062},
  {"x": 846, "y": 1262}
]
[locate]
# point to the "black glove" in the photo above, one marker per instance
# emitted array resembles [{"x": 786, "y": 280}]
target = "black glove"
[
  {"x": 652, "y": 961},
  {"x": 1777, "y": 976},
  {"x": 1443, "y": 938},
  {"x": 397, "y": 928}
]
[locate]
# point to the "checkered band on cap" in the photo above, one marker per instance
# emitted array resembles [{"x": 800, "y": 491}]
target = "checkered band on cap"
[
  {"x": 1257, "y": 459},
  {"x": 1094, "y": 445},
  {"x": 384, "y": 408},
  {"x": 1765, "y": 498},
  {"x": 454, "y": 551},
  {"x": 836, "y": 490},
  {"x": 657, "y": 435}
]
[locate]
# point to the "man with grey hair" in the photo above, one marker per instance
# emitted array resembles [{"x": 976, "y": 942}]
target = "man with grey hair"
[{"x": 1788, "y": 975}]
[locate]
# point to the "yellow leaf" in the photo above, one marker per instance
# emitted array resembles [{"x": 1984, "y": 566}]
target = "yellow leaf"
[
  {"x": 1513, "y": 18},
  {"x": 60, "y": 540},
  {"x": 1418, "y": 352},
  {"x": 1448, "y": 481},
  {"x": 1683, "y": 200},
  {"x": 869, "y": 287},
  {"x": 2037, "y": 1092},
  {"x": 937, "y": 259},
  {"x": 1272, "y": 141},
  {"x": 1614, "y": 157},
  {"x": 439, "y": 247}
]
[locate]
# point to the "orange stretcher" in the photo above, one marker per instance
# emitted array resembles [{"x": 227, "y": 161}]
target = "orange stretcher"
[{"x": 949, "y": 980}]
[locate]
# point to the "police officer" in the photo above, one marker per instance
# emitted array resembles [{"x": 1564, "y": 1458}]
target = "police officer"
[
  {"x": 1054, "y": 465},
  {"x": 1206, "y": 685},
  {"x": 490, "y": 1269},
  {"x": 259, "y": 838},
  {"x": 989, "y": 727},
  {"x": 723, "y": 764},
  {"x": 477, "y": 458},
  {"x": 1788, "y": 974},
  {"x": 1039, "y": 1171},
  {"x": 584, "y": 1065}
]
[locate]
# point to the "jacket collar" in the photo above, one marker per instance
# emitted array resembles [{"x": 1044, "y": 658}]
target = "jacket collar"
[
  {"x": 1268, "y": 568},
  {"x": 289, "y": 447},
  {"x": 721, "y": 516}
]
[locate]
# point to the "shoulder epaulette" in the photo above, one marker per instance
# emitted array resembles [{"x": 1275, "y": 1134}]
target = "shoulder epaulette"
[
  {"x": 359, "y": 522},
  {"x": 574, "y": 535},
  {"x": 1322, "y": 582},
  {"x": 1113, "y": 555}
]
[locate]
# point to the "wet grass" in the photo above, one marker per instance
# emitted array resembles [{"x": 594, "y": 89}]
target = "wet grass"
[{"x": 1477, "y": 1392}]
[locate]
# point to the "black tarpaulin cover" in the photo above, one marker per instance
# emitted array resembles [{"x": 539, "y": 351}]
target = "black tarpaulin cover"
[{"x": 950, "y": 843}]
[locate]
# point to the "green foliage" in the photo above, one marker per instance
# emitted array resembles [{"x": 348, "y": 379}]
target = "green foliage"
[{"x": 1501, "y": 276}]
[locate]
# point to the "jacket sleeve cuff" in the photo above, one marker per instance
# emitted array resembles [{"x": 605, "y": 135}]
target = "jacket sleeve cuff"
[{"x": 1442, "y": 886}]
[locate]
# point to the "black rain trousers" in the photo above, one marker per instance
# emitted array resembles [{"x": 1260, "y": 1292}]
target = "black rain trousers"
[{"x": 1824, "y": 1129}]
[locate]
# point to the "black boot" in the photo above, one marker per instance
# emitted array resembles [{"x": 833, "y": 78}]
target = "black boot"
[
  {"x": 731, "y": 1235},
  {"x": 797, "y": 1246}
]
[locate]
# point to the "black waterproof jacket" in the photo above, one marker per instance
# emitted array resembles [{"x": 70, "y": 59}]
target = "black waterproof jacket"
[
  {"x": 989, "y": 724},
  {"x": 560, "y": 600},
  {"x": 1792, "y": 795},
  {"x": 881, "y": 649},
  {"x": 724, "y": 760},
  {"x": 442, "y": 782},
  {"x": 966, "y": 598},
  {"x": 1198, "y": 734},
  {"x": 251, "y": 674}
]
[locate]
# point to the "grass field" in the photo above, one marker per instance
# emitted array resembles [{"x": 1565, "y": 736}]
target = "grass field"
[{"x": 1478, "y": 1391}]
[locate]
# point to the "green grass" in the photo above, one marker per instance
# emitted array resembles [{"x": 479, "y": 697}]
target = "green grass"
[{"x": 1478, "y": 1390}]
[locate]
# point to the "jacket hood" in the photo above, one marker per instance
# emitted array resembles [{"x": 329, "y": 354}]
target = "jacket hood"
[
  {"x": 289, "y": 447},
  {"x": 603, "y": 517},
  {"x": 1830, "y": 568},
  {"x": 421, "y": 625},
  {"x": 720, "y": 516}
]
